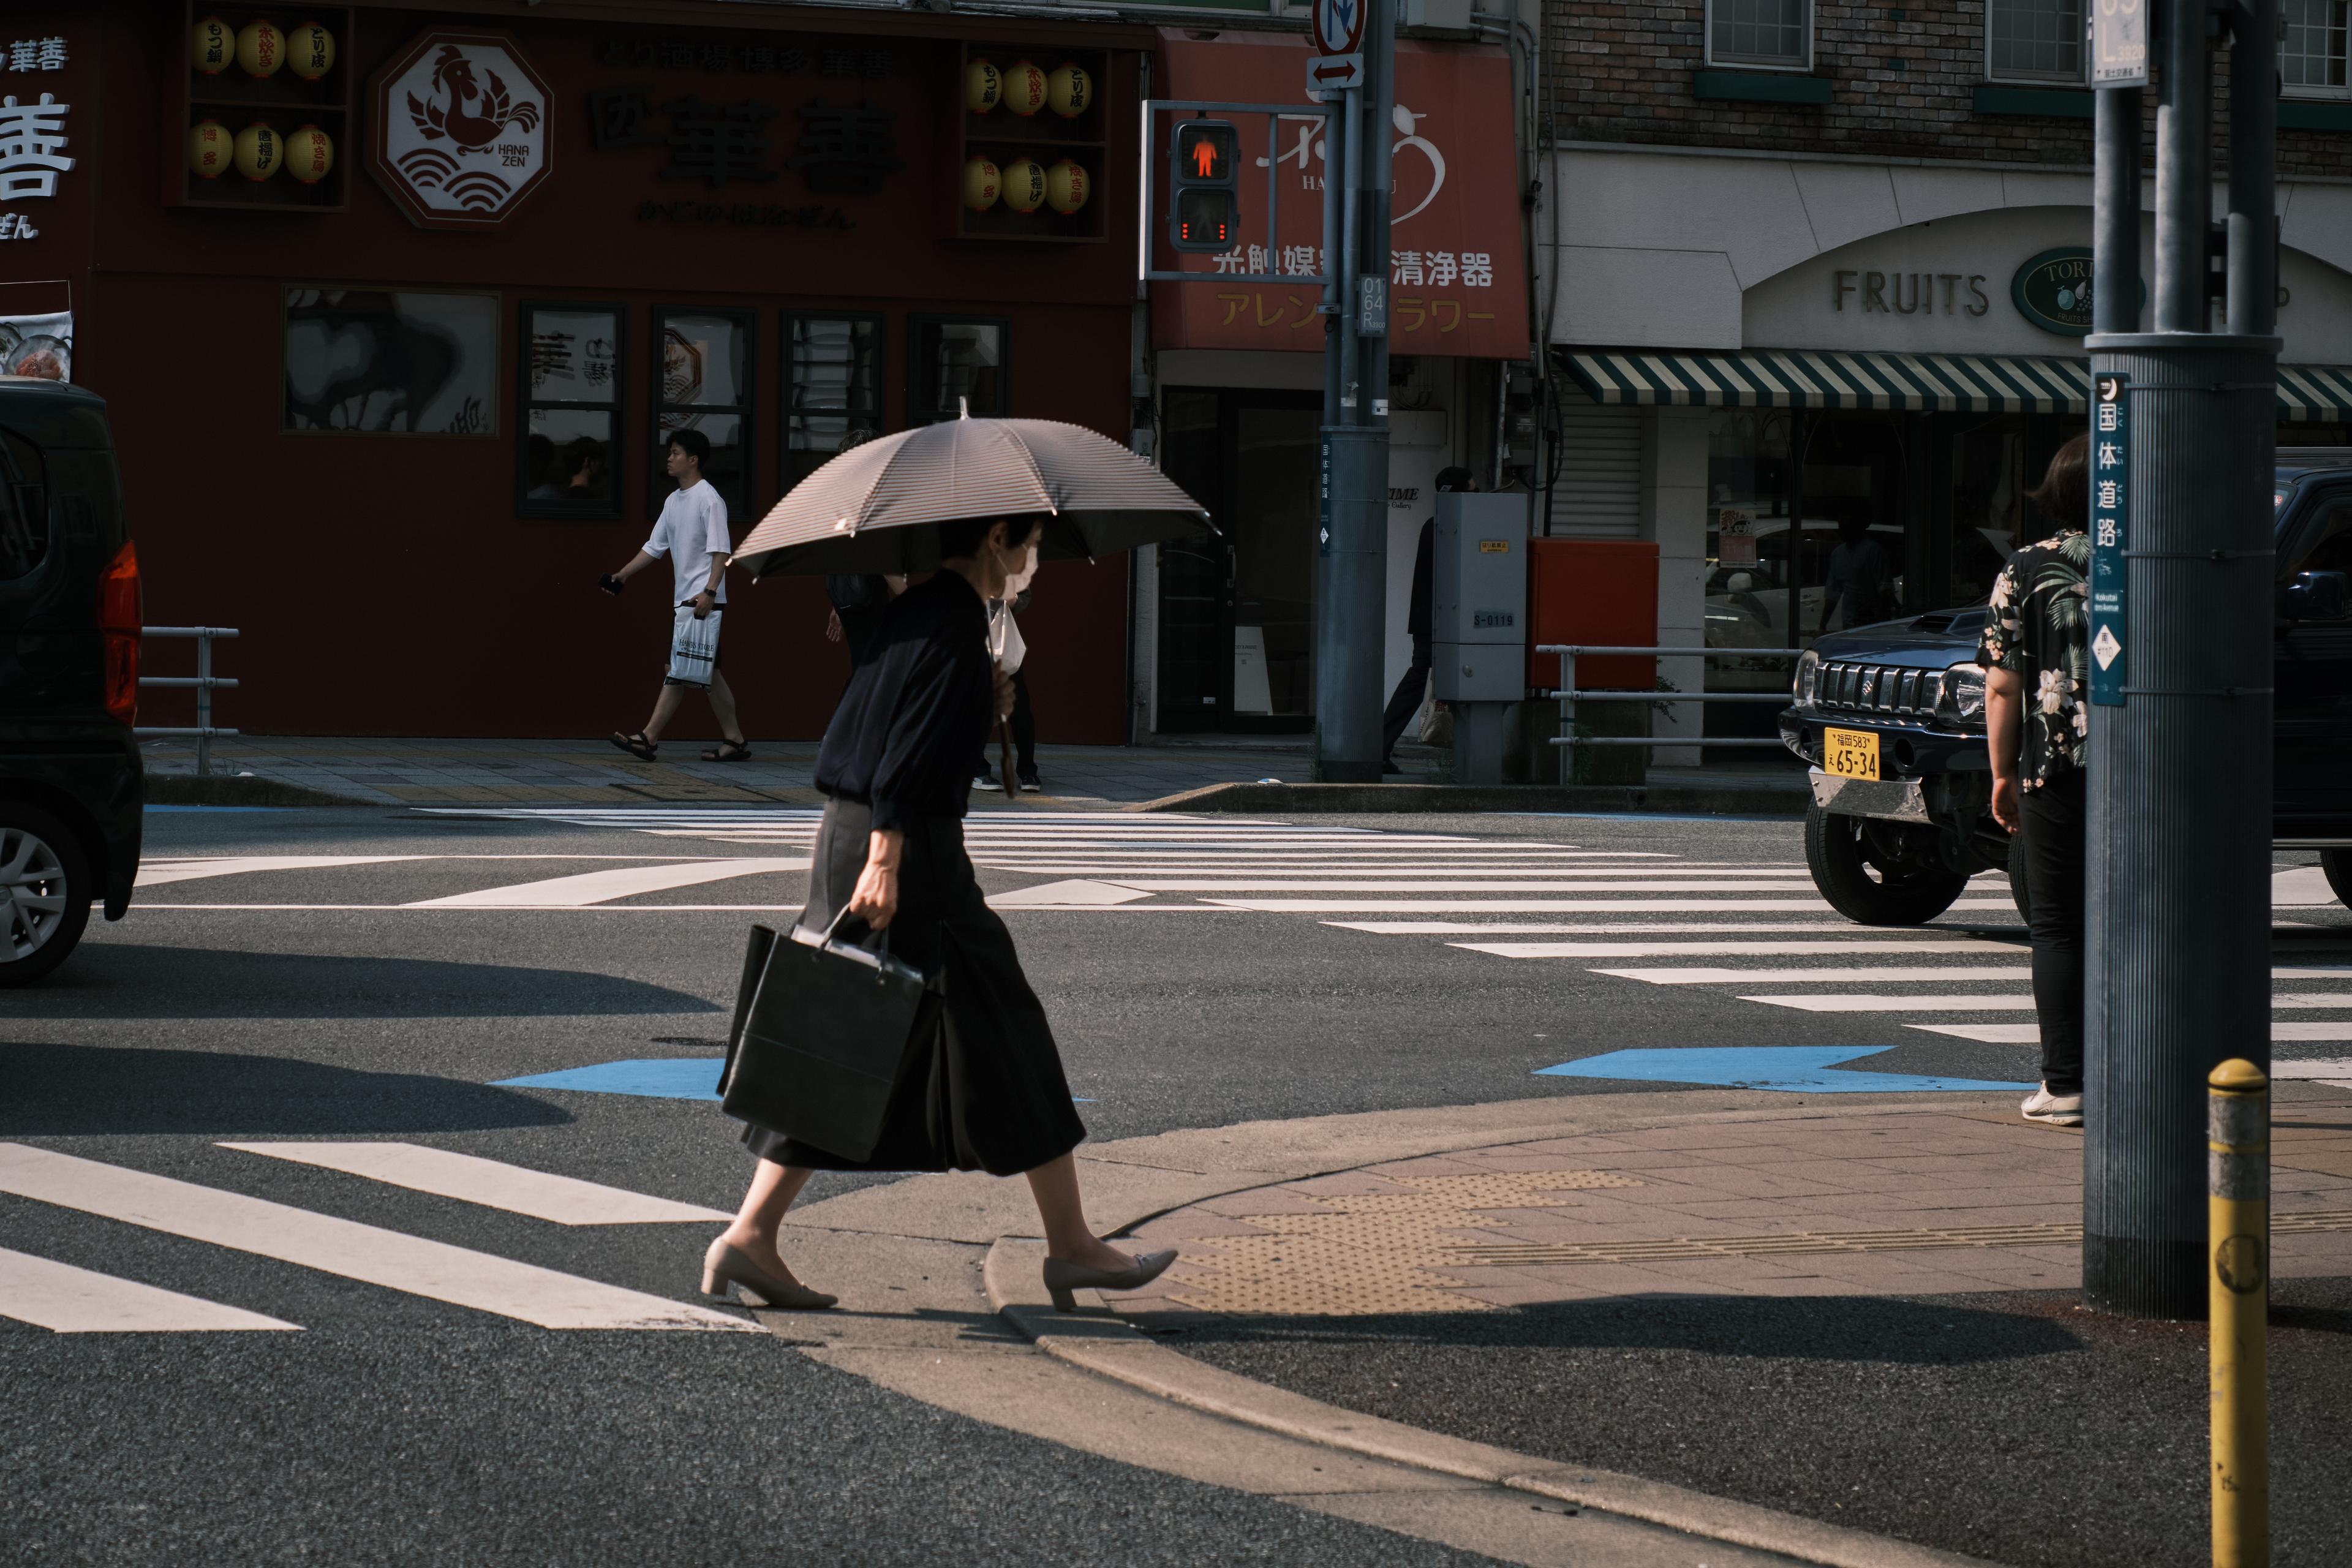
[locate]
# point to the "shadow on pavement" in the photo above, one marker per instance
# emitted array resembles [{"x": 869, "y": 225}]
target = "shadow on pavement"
[
  {"x": 114, "y": 980},
  {"x": 52, "y": 1091}
]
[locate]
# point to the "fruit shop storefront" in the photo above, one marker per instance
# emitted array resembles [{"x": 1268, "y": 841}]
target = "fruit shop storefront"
[{"x": 394, "y": 311}]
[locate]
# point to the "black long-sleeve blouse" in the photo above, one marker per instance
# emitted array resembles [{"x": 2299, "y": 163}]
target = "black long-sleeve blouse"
[{"x": 919, "y": 709}]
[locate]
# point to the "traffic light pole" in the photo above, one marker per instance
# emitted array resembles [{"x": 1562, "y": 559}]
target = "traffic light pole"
[
  {"x": 2180, "y": 784},
  {"x": 1351, "y": 621}
]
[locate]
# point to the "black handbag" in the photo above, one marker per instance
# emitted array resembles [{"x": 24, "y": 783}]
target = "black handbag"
[{"x": 823, "y": 1031}]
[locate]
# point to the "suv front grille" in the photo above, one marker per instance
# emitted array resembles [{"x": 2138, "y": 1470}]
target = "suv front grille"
[{"x": 1879, "y": 688}]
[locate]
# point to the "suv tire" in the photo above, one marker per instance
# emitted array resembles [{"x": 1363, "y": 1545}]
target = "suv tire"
[
  {"x": 46, "y": 887},
  {"x": 1879, "y": 873},
  {"x": 2337, "y": 864}
]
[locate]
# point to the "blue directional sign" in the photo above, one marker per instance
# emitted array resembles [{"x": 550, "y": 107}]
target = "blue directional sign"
[
  {"x": 1795, "y": 1069},
  {"x": 2110, "y": 477},
  {"x": 655, "y": 1077}
]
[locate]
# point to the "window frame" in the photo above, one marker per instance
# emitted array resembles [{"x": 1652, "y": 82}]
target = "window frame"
[
  {"x": 616, "y": 449},
  {"x": 2323, "y": 93},
  {"x": 917, "y": 374},
  {"x": 786, "y": 387},
  {"x": 658, "y": 483},
  {"x": 1743, "y": 63},
  {"x": 2081, "y": 78},
  {"x": 491, "y": 404}
]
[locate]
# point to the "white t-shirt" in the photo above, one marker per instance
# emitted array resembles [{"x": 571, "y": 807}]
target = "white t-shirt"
[{"x": 692, "y": 529}]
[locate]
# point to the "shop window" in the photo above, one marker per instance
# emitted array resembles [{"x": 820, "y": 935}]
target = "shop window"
[
  {"x": 379, "y": 361},
  {"x": 2312, "y": 47},
  {"x": 957, "y": 364},
  {"x": 702, "y": 380},
  {"x": 569, "y": 462},
  {"x": 1773, "y": 33},
  {"x": 2034, "y": 41},
  {"x": 832, "y": 388}
]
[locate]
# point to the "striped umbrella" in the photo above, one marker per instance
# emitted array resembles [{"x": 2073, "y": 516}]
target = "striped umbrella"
[{"x": 869, "y": 509}]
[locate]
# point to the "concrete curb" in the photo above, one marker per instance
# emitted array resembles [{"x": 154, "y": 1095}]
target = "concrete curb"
[
  {"x": 1721, "y": 800},
  {"x": 222, "y": 789},
  {"x": 1112, "y": 1349}
]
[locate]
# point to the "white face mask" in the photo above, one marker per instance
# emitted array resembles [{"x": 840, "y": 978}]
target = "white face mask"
[{"x": 1025, "y": 567}]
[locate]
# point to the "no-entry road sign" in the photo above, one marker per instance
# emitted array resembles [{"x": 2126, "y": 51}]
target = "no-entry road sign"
[{"x": 1339, "y": 25}]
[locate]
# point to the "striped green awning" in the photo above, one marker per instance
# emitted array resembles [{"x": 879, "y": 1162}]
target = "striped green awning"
[{"x": 1964, "y": 383}]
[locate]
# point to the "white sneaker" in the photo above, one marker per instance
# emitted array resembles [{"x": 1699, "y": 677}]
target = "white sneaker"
[
  {"x": 987, "y": 783},
  {"x": 2057, "y": 1109}
]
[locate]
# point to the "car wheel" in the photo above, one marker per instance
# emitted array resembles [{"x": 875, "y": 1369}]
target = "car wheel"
[
  {"x": 2337, "y": 864},
  {"x": 45, "y": 892},
  {"x": 1879, "y": 873}
]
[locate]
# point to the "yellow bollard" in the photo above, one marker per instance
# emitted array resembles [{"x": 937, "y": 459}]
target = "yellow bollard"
[{"x": 2238, "y": 1214}]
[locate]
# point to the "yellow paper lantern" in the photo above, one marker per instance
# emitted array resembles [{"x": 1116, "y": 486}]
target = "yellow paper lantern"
[
  {"x": 1025, "y": 89},
  {"x": 1067, "y": 187},
  {"x": 310, "y": 51},
  {"x": 984, "y": 87},
  {"x": 982, "y": 184},
  {"x": 1069, "y": 91},
  {"x": 211, "y": 46},
  {"x": 309, "y": 154},
  {"x": 261, "y": 47},
  {"x": 210, "y": 149},
  {"x": 1025, "y": 186},
  {"x": 260, "y": 150}
]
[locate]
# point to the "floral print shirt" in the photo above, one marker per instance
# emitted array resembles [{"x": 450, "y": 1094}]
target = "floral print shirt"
[{"x": 2038, "y": 626}]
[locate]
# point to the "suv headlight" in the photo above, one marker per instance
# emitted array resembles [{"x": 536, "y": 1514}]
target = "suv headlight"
[
  {"x": 1809, "y": 675},
  {"x": 1963, "y": 700}
]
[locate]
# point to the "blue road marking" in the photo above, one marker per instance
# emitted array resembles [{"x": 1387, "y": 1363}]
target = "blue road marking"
[
  {"x": 1807, "y": 1069},
  {"x": 655, "y": 1077}
]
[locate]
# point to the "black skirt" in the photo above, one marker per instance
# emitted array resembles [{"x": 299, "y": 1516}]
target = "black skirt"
[{"x": 988, "y": 1093}]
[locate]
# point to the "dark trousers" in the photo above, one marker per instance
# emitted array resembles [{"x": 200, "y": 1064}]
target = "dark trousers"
[
  {"x": 1405, "y": 700},
  {"x": 1024, "y": 725},
  {"x": 2050, "y": 839}
]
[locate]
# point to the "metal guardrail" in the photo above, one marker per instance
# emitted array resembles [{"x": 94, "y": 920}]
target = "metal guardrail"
[
  {"x": 204, "y": 682},
  {"x": 1568, "y": 739}
]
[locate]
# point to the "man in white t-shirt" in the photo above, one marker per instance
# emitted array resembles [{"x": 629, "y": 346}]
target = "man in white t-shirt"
[{"x": 692, "y": 532}]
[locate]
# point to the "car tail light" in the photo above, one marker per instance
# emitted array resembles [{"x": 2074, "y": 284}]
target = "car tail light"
[{"x": 119, "y": 622}]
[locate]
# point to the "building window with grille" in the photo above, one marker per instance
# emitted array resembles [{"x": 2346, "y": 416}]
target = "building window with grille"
[
  {"x": 2312, "y": 49},
  {"x": 1776, "y": 33},
  {"x": 569, "y": 462},
  {"x": 702, "y": 380},
  {"x": 832, "y": 388},
  {"x": 957, "y": 365},
  {"x": 2034, "y": 40}
]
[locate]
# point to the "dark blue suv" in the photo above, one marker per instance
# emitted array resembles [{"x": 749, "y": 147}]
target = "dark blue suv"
[
  {"x": 1892, "y": 719},
  {"x": 69, "y": 625}
]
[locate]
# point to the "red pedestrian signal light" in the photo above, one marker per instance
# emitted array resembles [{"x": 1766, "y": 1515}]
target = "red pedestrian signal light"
[{"x": 1204, "y": 205}]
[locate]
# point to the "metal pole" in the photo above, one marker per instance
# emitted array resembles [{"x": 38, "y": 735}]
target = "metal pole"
[
  {"x": 2238, "y": 1231},
  {"x": 2253, "y": 200},
  {"x": 1351, "y": 403},
  {"x": 1796, "y": 526},
  {"x": 2115, "y": 220},
  {"x": 2177, "y": 843},
  {"x": 204, "y": 703}
]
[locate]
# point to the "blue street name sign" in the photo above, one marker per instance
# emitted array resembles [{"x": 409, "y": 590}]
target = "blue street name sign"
[{"x": 2110, "y": 474}]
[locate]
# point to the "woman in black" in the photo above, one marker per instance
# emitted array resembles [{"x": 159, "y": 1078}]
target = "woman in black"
[{"x": 896, "y": 764}]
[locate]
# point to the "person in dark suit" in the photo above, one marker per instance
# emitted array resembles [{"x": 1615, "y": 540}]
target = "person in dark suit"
[{"x": 1405, "y": 700}]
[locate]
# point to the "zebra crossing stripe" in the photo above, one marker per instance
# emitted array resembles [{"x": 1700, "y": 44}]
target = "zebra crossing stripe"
[
  {"x": 1865, "y": 1004},
  {"x": 367, "y": 1253},
  {"x": 1726, "y": 949},
  {"x": 1696, "y": 975},
  {"x": 492, "y": 1184},
  {"x": 163, "y": 873},
  {"x": 70, "y": 1300},
  {"x": 620, "y": 882},
  {"x": 2282, "y": 1031}
]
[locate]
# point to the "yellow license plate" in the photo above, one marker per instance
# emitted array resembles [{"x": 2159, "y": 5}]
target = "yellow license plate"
[{"x": 1850, "y": 753}]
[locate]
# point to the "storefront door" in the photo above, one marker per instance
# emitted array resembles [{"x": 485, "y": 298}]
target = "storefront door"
[{"x": 1238, "y": 612}]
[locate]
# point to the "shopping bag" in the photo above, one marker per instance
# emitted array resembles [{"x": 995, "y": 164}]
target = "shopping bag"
[
  {"x": 694, "y": 646},
  {"x": 823, "y": 1030}
]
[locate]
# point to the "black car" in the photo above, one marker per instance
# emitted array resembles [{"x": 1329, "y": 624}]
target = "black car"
[
  {"x": 1901, "y": 815},
  {"x": 70, "y": 623}
]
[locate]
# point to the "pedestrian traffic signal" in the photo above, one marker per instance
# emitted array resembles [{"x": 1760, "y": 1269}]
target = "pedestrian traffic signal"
[{"x": 1204, "y": 206}]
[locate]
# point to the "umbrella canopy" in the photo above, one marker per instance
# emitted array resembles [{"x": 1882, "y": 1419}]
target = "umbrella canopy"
[{"x": 869, "y": 509}]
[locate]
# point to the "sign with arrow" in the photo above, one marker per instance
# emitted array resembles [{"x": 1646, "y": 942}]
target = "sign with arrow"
[
  {"x": 1334, "y": 73},
  {"x": 1339, "y": 25}
]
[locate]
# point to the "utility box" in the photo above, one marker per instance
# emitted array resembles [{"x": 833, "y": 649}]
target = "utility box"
[
  {"x": 1479, "y": 598},
  {"x": 1594, "y": 593}
]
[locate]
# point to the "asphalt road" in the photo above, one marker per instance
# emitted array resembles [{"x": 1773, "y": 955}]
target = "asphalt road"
[{"x": 321, "y": 1005}]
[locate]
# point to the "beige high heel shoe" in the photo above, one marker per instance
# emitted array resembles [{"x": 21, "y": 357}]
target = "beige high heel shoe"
[
  {"x": 1061, "y": 1279},
  {"x": 728, "y": 1266}
]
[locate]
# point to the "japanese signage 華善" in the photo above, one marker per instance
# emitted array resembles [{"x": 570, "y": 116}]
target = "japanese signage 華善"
[{"x": 33, "y": 136}]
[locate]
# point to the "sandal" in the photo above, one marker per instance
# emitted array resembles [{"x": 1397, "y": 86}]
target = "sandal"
[
  {"x": 729, "y": 752},
  {"x": 637, "y": 745}
]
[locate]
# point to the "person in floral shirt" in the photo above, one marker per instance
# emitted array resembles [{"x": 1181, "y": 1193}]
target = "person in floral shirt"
[{"x": 2037, "y": 660}]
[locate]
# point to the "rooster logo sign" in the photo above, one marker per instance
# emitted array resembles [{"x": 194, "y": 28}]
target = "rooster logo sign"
[
  {"x": 460, "y": 147},
  {"x": 476, "y": 115}
]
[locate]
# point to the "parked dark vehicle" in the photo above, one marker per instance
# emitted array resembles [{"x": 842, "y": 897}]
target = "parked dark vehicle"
[
  {"x": 1892, "y": 719},
  {"x": 70, "y": 624}
]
